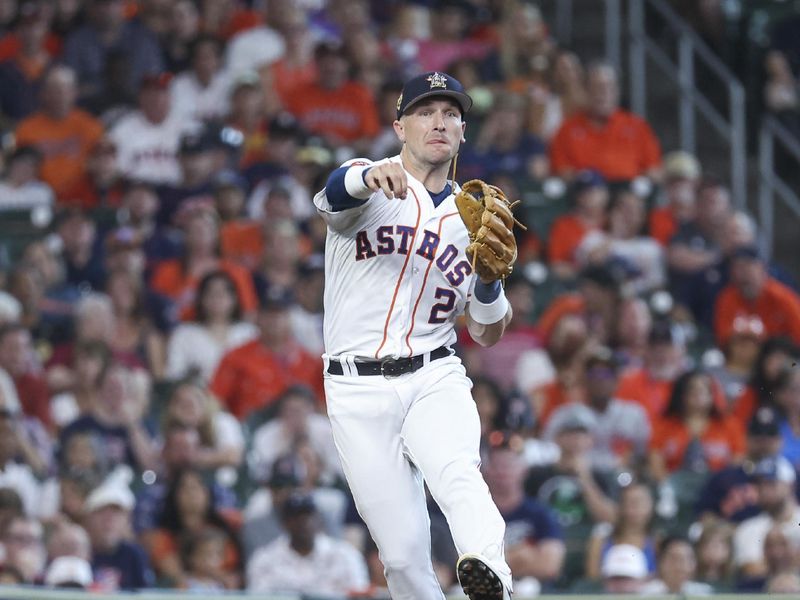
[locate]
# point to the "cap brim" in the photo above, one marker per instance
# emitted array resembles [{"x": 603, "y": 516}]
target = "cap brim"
[{"x": 463, "y": 100}]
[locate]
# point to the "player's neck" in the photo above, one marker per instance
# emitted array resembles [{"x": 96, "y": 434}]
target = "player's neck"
[{"x": 433, "y": 177}]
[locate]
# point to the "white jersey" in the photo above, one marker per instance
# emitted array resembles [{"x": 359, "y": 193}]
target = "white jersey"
[{"x": 397, "y": 275}]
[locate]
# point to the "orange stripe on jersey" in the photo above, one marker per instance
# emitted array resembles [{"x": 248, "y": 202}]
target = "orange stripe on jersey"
[
  {"x": 400, "y": 278},
  {"x": 424, "y": 282}
]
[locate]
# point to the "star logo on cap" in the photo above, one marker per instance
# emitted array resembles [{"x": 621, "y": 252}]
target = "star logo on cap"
[
  {"x": 399, "y": 101},
  {"x": 438, "y": 81}
]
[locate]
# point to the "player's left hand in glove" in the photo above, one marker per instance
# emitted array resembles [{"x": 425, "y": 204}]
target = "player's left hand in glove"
[{"x": 486, "y": 212}]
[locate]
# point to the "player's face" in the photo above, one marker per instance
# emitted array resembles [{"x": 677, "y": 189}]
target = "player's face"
[{"x": 432, "y": 130}]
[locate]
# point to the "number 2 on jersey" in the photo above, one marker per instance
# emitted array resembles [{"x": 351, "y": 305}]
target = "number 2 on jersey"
[{"x": 440, "y": 309}]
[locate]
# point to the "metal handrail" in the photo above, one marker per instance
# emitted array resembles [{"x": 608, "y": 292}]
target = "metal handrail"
[
  {"x": 690, "y": 48},
  {"x": 769, "y": 182}
]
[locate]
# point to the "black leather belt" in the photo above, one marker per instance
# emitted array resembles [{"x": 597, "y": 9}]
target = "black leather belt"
[{"x": 390, "y": 367}]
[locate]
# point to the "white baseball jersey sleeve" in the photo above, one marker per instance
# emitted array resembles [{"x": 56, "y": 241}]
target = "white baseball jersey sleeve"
[{"x": 397, "y": 276}]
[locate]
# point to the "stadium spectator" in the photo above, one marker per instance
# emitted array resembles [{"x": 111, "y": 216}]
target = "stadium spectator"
[
  {"x": 90, "y": 360},
  {"x": 306, "y": 315},
  {"x": 248, "y": 116},
  {"x": 715, "y": 555},
  {"x": 621, "y": 431},
  {"x": 681, "y": 176},
  {"x": 624, "y": 570},
  {"x": 741, "y": 351},
  {"x": 68, "y": 539},
  {"x": 730, "y": 493},
  {"x": 22, "y": 67},
  {"x": 304, "y": 560},
  {"x": 101, "y": 186},
  {"x": 280, "y": 259},
  {"x": 605, "y": 137},
  {"x": 69, "y": 572},
  {"x": 534, "y": 546},
  {"x": 18, "y": 359},
  {"x": 115, "y": 419},
  {"x": 633, "y": 526},
  {"x": 178, "y": 278},
  {"x": 296, "y": 67},
  {"x": 780, "y": 556},
  {"x": 569, "y": 86},
  {"x": 203, "y": 91},
  {"x": 255, "y": 374},
  {"x": 752, "y": 292},
  {"x": 775, "y": 482},
  {"x": 140, "y": 205},
  {"x": 451, "y": 37},
  {"x": 590, "y": 195},
  {"x": 35, "y": 445},
  {"x": 787, "y": 399},
  {"x": 81, "y": 250},
  {"x": 23, "y": 540},
  {"x": 106, "y": 31},
  {"x": 227, "y": 18},
  {"x": 21, "y": 187},
  {"x": 195, "y": 348},
  {"x": 624, "y": 243},
  {"x": 74, "y": 487},
  {"x": 694, "y": 434},
  {"x": 147, "y": 138},
  {"x": 184, "y": 28},
  {"x": 240, "y": 237},
  {"x": 118, "y": 564},
  {"x": 665, "y": 359},
  {"x": 14, "y": 474},
  {"x": 253, "y": 48},
  {"x": 221, "y": 442},
  {"x": 634, "y": 322},
  {"x": 189, "y": 510},
  {"x": 781, "y": 89},
  {"x": 63, "y": 133},
  {"x": 203, "y": 557},
  {"x": 694, "y": 252},
  {"x": 338, "y": 108},
  {"x": 677, "y": 565}
]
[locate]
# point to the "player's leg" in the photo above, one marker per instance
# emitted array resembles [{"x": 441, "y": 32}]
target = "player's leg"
[
  {"x": 442, "y": 432},
  {"x": 366, "y": 416}
]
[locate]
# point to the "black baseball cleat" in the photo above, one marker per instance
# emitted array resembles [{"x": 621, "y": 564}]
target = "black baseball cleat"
[{"x": 479, "y": 581}]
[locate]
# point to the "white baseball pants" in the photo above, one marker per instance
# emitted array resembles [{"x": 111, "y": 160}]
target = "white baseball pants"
[{"x": 392, "y": 433}]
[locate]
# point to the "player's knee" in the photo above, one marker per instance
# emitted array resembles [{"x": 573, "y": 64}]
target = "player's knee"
[
  {"x": 457, "y": 480},
  {"x": 406, "y": 556}
]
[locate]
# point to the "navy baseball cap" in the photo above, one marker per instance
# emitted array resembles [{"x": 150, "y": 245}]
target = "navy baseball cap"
[
  {"x": 764, "y": 422},
  {"x": 775, "y": 468},
  {"x": 429, "y": 84},
  {"x": 299, "y": 503},
  {"x": 587, "y": 179}
]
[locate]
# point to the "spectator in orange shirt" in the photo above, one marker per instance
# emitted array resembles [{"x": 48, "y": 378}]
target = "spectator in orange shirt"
[
  {"x": 178, "y": 278},
  {"x": 339, "y": 109},
  {"x": 752, "y": 292},
  {"x": 102, "y": 184},
  {"x": 604, "y": 137},
  {"x": 591, "y": 198},
  {"x": 694, "y": 434},
  {"x": 248, "y": 117},
  {"x": 665, "y": 359},
  {"x": 254, "y": 375},
  {"x": 63, "y": 134},
  {"x": 296, "y": 68},
  {"x": 681, "y": 176}
]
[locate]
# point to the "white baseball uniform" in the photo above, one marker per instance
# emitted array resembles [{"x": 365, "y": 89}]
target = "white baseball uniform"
[{"x": 397, "y": 278}]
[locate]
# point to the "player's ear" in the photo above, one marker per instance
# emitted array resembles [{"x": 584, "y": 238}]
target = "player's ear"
[
  {"x": 398, "y": 129},
  {"x": 463, "y": 129}
]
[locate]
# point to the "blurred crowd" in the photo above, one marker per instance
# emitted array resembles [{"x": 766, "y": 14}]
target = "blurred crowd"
[{"x": 162, "y": 419}]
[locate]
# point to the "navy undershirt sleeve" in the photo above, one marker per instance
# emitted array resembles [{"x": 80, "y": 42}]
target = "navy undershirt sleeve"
[{"x": 337, "y": 194}]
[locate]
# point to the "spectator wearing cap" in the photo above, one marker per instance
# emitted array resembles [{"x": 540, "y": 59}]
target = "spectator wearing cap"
[
  {"x": 69, "y": 572},
  {"x": 21, "y": 187},
  {"x": 677, "y": 565},
  {"x": 106, "y": 32},
  {"x": 580, "y": 493},
  {"x": 624, "y": 243},
  {"x": 117, "y": 563},
  {"x": 140, "y": 205},
  {"x": 775, "y": 484},
  {"x": 338, "y": 108},
  {"x": 304, "y": 560},
  {"x": 241, "y": 238},
  {"x": 148, "y": 138},
  {"x": 624, "y": 570},
  {"x": 190, "y": 510},
  {"x": 203, "y": 91},
  {"x": 621, "y": 432},
  {"x": 752, "y": 292},
  {"x": 590, "y": 195},
  {"x": 741, "y": 351},
  {"x": 534, "y": 545},
  {"x": 254, "y": 375},
  {"x": 102, "y": 185},
  {"x": 731, "y": 492},
  {"x": 682, "y": 173},
  {"x": 178, "y": 279},
  {"x": 605, "y": 137},
  {"x": 306, "y": 314},
  {"x": 664, "y": 361},
  {"x": 695, "y": 251},
  {"x": 62, "y": 133},
  {"x": 694, "y": 434},
  {"x": 196, "y": 347}
]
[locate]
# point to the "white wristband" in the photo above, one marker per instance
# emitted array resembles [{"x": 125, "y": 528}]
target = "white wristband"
[
  {"x": 354, "y": 182},
  {"x": 487, "y": 314}
]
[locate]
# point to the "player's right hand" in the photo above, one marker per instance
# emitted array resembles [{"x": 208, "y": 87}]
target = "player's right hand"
[{"x": 388, "y": 177}]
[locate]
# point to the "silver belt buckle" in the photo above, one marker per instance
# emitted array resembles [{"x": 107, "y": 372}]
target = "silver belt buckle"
[{"x": 390, "y": 362}]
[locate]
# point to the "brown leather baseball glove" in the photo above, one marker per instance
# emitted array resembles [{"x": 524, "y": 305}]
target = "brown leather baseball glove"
[{"x": 486, "y": 212}]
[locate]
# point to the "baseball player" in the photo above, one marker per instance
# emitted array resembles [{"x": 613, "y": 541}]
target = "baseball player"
[{"x": 397, "y": 277}]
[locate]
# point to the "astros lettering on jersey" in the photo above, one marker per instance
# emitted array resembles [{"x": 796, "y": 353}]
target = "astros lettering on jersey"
[{"x": 409, "y": 255}]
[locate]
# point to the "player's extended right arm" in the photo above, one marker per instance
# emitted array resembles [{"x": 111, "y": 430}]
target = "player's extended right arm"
[{"x": 352, "y": 185}]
